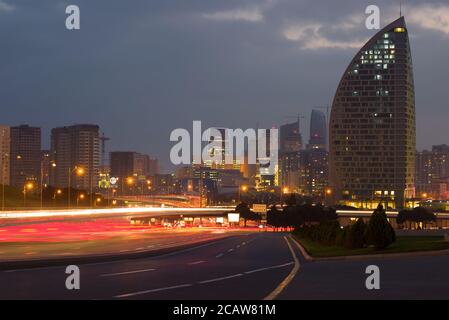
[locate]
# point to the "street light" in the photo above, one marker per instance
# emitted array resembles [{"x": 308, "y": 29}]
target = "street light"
[
  {"x": 4, "y": 156},
  {"x": 27, "y": 187},
  {"x": 80, "y": 197},
  {"x": 130, "y": 183},
  {"x": 284, "y": 190},
  {"x": 79, "y": 172},
  {"x": 243, "y": 188}
]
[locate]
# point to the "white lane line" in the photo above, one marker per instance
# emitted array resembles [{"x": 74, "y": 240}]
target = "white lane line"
[
  {"x": 132, "y": 294},
  {"x": 269, "y": 268},
  {"x": 150, "y": 246},
  {"x": 196, "y": 262},
  {"x": 125, "y": 272},
  {"x": 220, "y": 279},
  {"x": 287, "y": 279},
  {"x": 230, "y": 250},
  {"x": 141, "y": 248},
  {"x": 219, "y": 255}
]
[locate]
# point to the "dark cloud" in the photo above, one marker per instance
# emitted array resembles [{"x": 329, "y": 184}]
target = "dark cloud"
[{"x": 143, "y": 68}]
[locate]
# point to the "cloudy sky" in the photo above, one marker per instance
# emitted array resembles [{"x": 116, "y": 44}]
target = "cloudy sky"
[{"x": 142, "y": 68}]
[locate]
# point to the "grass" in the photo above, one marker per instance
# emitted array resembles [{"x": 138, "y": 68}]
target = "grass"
[{"x": 402, "y": 244}]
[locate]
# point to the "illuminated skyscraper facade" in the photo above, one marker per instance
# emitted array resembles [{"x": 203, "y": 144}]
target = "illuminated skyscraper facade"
[{"x": 372, "y": 124}]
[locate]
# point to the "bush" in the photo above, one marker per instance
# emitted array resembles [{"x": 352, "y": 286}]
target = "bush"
[
  {"x": 326, "y": 232},
  {"x": 355, "y": 236},
  {"x": 379, "y": 231},
  {"x": 341, "y": 236}
]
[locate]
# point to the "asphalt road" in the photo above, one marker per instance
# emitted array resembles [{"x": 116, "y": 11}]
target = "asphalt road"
[{"x": 252, "y": 266}]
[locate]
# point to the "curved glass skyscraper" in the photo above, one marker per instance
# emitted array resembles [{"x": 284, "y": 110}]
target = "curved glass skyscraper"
[{"x": 372, "y": 124}]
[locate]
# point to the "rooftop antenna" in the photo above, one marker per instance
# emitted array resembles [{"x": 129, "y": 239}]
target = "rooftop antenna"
[{"x": 400, "y": 9}]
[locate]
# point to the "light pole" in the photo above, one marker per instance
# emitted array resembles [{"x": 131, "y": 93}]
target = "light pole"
[
  {"x": 243, "y": 188},
  {"x": 4, "y": 155},
  {"x": 283, "y": 191},
  {"x": 27, "y": 186},
  {"x": 79, "y": 171}
]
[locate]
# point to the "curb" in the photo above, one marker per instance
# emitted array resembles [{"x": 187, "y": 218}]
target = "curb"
[
  {"x": 109, "y": 257},
  {"x": 308, "y": 257}
]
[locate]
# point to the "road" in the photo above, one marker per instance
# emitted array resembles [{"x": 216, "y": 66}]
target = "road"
[{"x": 251, "y": 266}]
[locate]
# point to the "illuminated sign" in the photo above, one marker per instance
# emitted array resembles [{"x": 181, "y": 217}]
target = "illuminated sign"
[{"x": 233, "y": 217}]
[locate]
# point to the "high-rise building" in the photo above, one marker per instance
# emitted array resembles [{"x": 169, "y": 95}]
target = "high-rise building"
[
  {"x": 76, "y": 146},
  {"x": 134, "y": 165},
  {"x": 432, "y": 172},
  {"x": 290, "y": 144},
  {"x": 5, "y": 142},
  {"x": 318, "y": 130},
  {"x": 25, "y": 155},
  {"x": 372, "y": 126},
  {"x": 313, "y": 172}
]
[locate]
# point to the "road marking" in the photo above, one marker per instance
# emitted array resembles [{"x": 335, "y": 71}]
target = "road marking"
[
  {"x": 125, "y": 272},
  {"x": 219, "y": 255},
  {"x": 230, "y": 250},
  {"x": 238, "y": 246},
  {"x": 152, "y": 290},
  {"x": 269, "y": 268},
  {"x": 287, "y": 279},
  {"x": 220, "y": 279},
  {"x": 196, "y": 262},
  {"x": 141, "y": 248},
  {"x": 243, "y": 243}
]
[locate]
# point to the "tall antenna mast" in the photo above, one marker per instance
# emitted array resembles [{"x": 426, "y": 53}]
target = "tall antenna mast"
[{"x": 400, "y": 9}]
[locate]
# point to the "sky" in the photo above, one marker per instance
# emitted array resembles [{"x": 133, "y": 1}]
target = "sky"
[{"x": 141, "y": 69}]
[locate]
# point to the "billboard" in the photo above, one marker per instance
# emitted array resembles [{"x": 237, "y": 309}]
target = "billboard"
[{"x": 233, "y": 217}]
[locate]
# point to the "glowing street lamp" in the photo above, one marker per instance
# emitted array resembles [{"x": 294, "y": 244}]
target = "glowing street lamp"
[
  {"x": 242, "y": 188},
  {"x": 27, "y": 187},
  {"x": 79, "y": 171},
  {"x": 80, "y": 197}
]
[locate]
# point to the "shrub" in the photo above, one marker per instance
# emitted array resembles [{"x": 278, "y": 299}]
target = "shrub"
[
  {"x": 379, "y": 231},
  {"x": 341, "y": 236},
  {"x": 355, "y": 237}
]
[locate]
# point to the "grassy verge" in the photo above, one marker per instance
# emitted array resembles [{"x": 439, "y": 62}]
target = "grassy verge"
[{"x": 402, "y": 244}]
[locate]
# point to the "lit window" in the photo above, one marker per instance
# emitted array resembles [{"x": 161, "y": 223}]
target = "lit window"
[{"x": 399, "y": 30}]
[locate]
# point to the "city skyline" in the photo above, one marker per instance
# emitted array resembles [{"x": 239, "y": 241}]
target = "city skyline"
[{"x": 278, "y": 81}]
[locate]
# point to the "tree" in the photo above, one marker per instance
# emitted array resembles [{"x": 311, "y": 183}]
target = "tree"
[
  {"x": 379, "y": 231},
  {"x": 418, "y": 214},
  {"x": 245, "y": 212},
  {"x": 274, "y": 217}
]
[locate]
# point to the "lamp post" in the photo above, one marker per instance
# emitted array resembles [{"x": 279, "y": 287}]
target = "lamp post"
[
  {"x": 283, "y": 191},
  {"x": 4, "y": 156},
  {"x": 27, "y": 186},
  {"x": 80, "y": 197},
  {"x": 79, "y": 171},
  {"x": 243, "y": 188}
]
